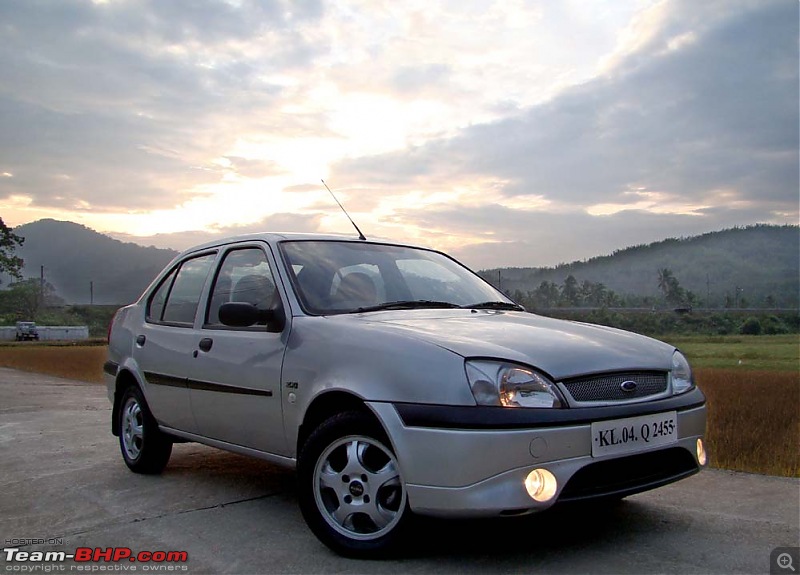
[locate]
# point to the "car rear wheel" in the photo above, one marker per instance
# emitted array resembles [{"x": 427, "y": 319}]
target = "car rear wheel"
[
  {"x": 351, "y": 492},
  {"x": 144, "y": 448}
]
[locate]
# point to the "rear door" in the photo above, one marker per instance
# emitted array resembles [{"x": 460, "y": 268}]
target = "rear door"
[
  {"x": 164, "y": 345},
  {"x": 236, "y": 376}
]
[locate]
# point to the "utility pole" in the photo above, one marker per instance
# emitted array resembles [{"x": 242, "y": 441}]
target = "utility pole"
[
  {"x": 91, "y": 293},
  {"x": 499, "y": 281},
  {"x": 41, "y": 286}
]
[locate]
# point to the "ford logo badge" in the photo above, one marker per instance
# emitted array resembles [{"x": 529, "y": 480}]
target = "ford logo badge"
[{"x": 628, "y": 386}]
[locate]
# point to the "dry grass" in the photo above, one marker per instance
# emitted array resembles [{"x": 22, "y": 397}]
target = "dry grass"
[
  {"x": 753, "y": 420},
  {"x": 84, "y": 363},
  {"x": 753, "y": 416}
]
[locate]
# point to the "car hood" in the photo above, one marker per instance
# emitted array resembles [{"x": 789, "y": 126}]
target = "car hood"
[{"x": 559, "y": 348}]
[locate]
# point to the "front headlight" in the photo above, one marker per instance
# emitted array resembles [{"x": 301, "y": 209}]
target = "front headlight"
[
  {"x": 682, "y": 379},
  {"x": 509, "y": 385}
]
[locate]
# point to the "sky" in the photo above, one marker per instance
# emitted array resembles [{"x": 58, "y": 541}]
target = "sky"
[{"x": 507, "y": 133}]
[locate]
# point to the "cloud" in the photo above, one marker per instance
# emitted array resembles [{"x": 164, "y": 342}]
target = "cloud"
[
  {"x": 249, "y": 168},
  {"x": 125, "y": 105},
  {"x": 438, "y": 122},
  {"x": 412, "y": 79},
  {"x": 707, "y": 102},
  {"x": 280, "y": 222}
]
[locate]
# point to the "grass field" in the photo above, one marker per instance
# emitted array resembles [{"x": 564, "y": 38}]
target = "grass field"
[
  {"x": 741, "y": 352},
  {"x": 752, "y": 384}
]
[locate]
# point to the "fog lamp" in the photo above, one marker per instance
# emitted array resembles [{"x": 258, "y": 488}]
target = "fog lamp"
[
  {"x": 702, "y": 458},
  {"x": 541, "y": 485}
]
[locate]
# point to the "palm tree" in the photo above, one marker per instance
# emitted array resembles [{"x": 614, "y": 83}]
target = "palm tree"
[{"x": 665, "y": 281}]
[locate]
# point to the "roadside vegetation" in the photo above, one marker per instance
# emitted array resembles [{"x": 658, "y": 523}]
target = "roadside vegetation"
[
  {"x": 752, "y": 384},
  {"x": 657, "y": 323}
]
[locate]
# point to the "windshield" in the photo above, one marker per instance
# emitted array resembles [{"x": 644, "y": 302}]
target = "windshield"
[{"x": 344, "y": 277}]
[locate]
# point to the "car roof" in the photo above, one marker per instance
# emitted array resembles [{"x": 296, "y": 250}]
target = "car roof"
[{"x": 274, "y": 237}]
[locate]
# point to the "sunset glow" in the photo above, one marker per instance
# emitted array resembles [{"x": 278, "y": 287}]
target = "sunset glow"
[{"x": 484, "y": 129}]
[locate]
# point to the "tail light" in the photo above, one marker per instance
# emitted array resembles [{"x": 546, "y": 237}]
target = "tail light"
[{"x": 111, "y": 325}]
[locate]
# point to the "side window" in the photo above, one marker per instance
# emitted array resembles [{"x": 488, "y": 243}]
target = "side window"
[
  {"x": 155, "y": 307},
  {"x": 183, "y": 297},
  {"x": 243, "y": 276}
]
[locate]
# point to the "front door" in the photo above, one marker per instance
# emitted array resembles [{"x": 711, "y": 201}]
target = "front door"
[{"x": 235, "y": 382}]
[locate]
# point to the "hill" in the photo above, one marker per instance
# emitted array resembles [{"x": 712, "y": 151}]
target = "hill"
[
  {"x": 762, "y": 261},
  {"x": 74, "y": 255},
  {"x": 748, "y": 264}
]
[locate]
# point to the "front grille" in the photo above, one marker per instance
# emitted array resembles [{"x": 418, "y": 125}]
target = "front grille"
[
  {"x": 608, "y": 387},
  {"x": 631, "y": 474}
]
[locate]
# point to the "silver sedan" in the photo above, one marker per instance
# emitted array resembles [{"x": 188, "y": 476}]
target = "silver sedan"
[{"x": 396, "y": 381}]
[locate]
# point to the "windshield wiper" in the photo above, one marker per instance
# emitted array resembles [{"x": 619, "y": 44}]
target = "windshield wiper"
[
  {"x": 407, "y": 304},
  {"x": 495, "y": 305}
]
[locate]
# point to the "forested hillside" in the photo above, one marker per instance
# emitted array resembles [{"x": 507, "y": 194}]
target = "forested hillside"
[
  {"x": 755, "y": 266},
  {"x": 77, "y": 259}
]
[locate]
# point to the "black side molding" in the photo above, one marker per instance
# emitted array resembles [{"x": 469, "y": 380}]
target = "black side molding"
[
  {"x": 206, "y": 386},
  {"x": 485, "y": 417},
  {"x": 167, "y": 380},
  {"x": 172, "y": 381},
  {"x": 111, "y": 368}
]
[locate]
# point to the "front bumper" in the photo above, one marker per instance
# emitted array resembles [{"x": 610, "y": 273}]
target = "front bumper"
[{"x": 465, "y": 469}]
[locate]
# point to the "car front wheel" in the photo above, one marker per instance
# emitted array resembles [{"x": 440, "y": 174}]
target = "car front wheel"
[
  {"x": 351, "y": 492},
  {"x": 144, "y": 448}
]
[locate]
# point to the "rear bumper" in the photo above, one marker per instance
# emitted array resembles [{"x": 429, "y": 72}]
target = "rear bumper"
[{"x": 475, "y": 472}]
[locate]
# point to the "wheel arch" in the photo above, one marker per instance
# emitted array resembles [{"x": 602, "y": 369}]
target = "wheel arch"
[
  {"x": 125, "y": 379},
  {"x": 327, "y": 405}
]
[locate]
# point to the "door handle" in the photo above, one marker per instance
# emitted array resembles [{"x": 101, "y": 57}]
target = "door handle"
[
  {"x": 205, "y": 344},
  {"x": 140, "y": 339}
]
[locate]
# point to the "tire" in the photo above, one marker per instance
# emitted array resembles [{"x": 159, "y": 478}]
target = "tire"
[
  {"x": 351, "y": 493},
  {"x": 144, "y": 448}
]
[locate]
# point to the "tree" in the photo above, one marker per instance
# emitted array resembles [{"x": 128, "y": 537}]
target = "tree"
[
  {"x": 670, "y": 287},
  {"x": 569, "y": 292},
  {"x": 25, "y": 299},
  {"x": 665, "y": 277},
  {"x": 9, "y": 241},
  {"x": 597, "y": 295},
  {"x": 611, "y": 299},
  {"x": 546, "y": 295}
]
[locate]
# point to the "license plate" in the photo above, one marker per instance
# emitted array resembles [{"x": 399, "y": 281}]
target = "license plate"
[{"x": 634, "y": 433}]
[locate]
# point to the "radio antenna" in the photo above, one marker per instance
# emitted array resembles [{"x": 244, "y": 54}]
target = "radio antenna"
[{"x": 360, "y": 235}]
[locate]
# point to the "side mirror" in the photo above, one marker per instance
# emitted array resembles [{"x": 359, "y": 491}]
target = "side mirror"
[{"x": 243, "y": 314}]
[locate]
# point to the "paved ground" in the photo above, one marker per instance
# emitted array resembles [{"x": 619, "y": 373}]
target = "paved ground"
[{"x": 61, "y": 475}]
